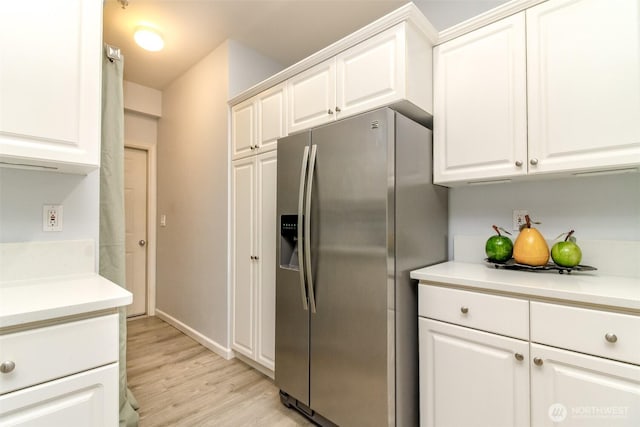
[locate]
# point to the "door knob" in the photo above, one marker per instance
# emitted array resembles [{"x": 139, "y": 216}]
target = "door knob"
[{"x": 142, "y": 242}]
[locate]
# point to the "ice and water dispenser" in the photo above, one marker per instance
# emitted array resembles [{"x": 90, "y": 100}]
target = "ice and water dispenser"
[{"x": 289, "y": 242}]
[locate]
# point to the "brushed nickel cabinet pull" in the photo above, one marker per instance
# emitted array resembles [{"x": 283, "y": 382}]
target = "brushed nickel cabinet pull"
[{"x": 7, "y": 366}]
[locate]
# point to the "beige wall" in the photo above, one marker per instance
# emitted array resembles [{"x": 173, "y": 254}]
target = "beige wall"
[{"x": 191, "y": 281}]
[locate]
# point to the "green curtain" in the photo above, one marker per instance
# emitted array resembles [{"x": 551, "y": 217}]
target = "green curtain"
[{"x": 112, "y": 227}]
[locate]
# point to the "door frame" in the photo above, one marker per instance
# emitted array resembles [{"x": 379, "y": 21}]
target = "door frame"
[{"x": 152, "y": 160}]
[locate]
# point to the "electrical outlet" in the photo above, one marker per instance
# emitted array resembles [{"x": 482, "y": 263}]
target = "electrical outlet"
[
  {"x": 52, "y": 218},
  {"x": 519, "y": 218}
]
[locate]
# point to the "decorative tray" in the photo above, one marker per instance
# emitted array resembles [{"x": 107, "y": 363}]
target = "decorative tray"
[{"x": 513, "y": 265}]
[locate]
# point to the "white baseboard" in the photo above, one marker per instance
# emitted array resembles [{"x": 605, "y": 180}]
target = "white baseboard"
[{"x": 222, "y": 351}]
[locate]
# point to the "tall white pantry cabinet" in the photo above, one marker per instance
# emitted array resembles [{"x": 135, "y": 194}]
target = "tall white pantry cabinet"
[
  {"x": 50, "y": 91},
  {"x": 256, "y": 125}
]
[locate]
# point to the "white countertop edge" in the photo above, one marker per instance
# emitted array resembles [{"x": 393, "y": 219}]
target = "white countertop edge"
[
  {"x": 608, "y": 291},
  {"x": 29, "y": 301}
]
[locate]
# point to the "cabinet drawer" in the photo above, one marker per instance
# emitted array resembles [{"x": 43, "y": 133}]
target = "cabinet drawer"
[
  {"x": 586, "y": 330},
  {"x": 52, "y": 352},
  {"x": 492, "y": 313}
]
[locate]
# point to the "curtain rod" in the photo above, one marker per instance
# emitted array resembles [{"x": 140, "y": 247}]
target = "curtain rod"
[{"x": 112, "y": 52}]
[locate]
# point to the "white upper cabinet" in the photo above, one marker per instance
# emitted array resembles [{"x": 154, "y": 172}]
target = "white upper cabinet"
[
  {"x": 272, "y": 117},
  {"x": 559, "y": 97},
  {"x": 372, "y": 73},
  {"x": 243, "y": 128},
  {"x": 583, "y": 76},
  {"x": 312, "y": 96},
  {"x": 392, "y": 66},
  {"x": 258, "y": 122},
  {"x": 480, "y": 111},
  {"x": 50, "y": 84}
]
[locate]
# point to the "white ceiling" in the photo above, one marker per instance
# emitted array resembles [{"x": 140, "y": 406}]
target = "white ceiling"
[{"x": 284, "y": 30}]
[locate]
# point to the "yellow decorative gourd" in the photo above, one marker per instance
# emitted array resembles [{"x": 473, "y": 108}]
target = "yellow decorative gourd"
[{"x": 530, "y": 248}]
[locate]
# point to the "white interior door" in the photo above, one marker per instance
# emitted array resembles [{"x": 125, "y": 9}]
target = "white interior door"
[{"x": 135, "y": 204}]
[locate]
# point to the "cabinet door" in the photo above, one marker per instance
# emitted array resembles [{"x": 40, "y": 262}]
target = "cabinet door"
[
  {"x": 272, "y": 117},
  {"x": 584, "y": 85},
  {"x": 50, "y": 68},
  {"x": 243, "y": 130},
  {"x": 312, "y": 96},
  {"x": 572, "y": 389},
  {"x": 480, "y": 128},
  {"x": 472, "y": 378},
  {"x": 89, "y": 398},
  {"x": 371, "y": 73},
  {"x": 243, "y": 226},
  {"x": 266, "y": 243}
]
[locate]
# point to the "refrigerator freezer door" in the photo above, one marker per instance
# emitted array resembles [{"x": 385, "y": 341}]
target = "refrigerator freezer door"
[
  {"x": 292, "y": 317},
  {"x": 350, "y": 241}
]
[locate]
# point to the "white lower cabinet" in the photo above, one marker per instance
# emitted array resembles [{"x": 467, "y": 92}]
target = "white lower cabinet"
[
  {"x": 472, "y": 378},
  {"x": 577, "y": 390},
  {"x": 579, "y": 367},
  {"x": 63, "y": 375},
  {"x": 87, "y": 399},
  {"x": 253, "y": 261}
]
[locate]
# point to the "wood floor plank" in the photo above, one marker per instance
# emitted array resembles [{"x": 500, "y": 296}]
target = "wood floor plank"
[{"x": 178, "y": 382}]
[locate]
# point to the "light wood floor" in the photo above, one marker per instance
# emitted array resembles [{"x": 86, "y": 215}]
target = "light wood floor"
[{"x": 178, "y": 382}]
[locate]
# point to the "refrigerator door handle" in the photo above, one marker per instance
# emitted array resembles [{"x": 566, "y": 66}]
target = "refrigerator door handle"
[
  {"x": 307, "y": 228},
  {"x": 303, "y": 173}
]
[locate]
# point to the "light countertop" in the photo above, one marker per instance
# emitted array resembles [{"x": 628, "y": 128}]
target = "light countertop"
[
  {"x": 27, "y": 301},
  {"x": 578, "y": 287}
]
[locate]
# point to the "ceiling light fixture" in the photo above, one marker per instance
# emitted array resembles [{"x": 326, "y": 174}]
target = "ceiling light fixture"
[{"x": 149, "y": 39}]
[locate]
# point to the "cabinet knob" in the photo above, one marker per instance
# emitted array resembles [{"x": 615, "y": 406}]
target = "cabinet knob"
[
  {"x": 464, "y": 309},
  {"x": 252, "y": 257},
  {"x": 7, "y": 366},
  {"x": 519, "y": 356},
  {"x": 142, "y": 242},
  {"x": 537, "y": 361},
  {"x": 518, "y": 163},
  {"x": 329, "y": 111},
  {"x": 338, "y": 109},
  {"x": 533, "y": 161},
  {"x": 610, "y": 337},
  {"x": 256, "y": 258}
]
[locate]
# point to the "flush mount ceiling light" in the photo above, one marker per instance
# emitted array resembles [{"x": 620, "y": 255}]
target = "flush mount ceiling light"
[{"x": 149, "y": 39}]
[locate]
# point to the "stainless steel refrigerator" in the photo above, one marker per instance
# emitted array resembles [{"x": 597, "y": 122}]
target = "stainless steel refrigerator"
[{"x": 357, "y": 211}]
